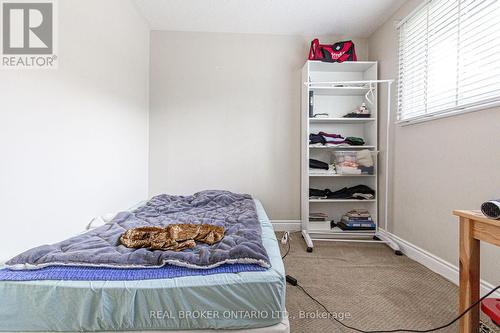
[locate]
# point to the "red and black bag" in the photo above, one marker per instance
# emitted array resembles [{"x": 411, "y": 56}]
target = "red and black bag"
[{"x": 338, "y": 52}]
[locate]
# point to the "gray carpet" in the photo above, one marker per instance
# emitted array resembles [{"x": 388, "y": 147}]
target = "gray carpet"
[{"x": 377, "y": 289}]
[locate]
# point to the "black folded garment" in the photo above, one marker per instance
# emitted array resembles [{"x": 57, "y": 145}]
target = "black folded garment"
[
  {"x": 315, "y": 164},
  {"x": 357, "y": 115},
  {"x": 313, "y": 192},
  {"x": 316, "y": 138},
  {"x": 348, "y": 192}
]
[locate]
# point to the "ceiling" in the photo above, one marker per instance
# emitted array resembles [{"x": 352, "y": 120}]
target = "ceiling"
[{"x": 356, "y": 18}]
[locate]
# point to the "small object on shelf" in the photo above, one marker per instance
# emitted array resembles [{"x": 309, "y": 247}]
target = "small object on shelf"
[
  {"x": 361, "y": 112},
  {"x": 356, "y": 226},
  {"x": 318, "y": 217},
  {"x": 311, "y": 103},
  {"x": 320, "y": 116}
]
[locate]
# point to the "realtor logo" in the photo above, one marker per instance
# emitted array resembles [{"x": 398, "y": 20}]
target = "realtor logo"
[{"x": 28, "y": 34}]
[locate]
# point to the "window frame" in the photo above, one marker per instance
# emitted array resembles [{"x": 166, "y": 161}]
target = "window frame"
[{"x": 482, "y": 104}]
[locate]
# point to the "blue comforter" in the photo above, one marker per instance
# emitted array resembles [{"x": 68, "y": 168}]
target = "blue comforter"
[{"x": 101, "y": 247}]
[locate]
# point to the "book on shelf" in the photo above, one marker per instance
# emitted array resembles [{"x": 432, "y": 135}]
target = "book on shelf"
[{"x": 356, "y": 226}]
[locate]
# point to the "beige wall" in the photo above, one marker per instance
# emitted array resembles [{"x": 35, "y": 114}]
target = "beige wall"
[
  {"x": 438, "y": 166},
  {"x": 73, "y": 140},
  {"x": 225, "y": 115}
]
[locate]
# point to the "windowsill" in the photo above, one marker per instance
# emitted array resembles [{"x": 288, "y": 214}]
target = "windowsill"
[{"x": 425, "y": 118}]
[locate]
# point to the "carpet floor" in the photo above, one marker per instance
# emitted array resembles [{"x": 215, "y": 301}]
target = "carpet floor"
[{"x": 367, "y": 286}]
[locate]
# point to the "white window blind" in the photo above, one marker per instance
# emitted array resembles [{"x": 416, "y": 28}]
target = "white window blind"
[{"x": 449, "y": 58}]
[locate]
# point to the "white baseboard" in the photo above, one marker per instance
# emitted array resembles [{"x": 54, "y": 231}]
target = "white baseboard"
[
  {"x": 435, "y": 263},
  {"x": 286, "y": 225}
]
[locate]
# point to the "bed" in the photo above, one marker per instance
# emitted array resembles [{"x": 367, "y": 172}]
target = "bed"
[{"x": 241, "y": 302}]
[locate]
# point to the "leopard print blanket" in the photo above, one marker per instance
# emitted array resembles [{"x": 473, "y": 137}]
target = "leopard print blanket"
[{"x": 175, "y": 237}]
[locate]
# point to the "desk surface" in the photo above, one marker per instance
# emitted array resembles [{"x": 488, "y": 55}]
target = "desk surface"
[{"x": 477, "y": 216}]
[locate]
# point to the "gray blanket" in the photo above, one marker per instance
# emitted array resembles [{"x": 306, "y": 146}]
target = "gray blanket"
[{"x": 242, "y": 242}]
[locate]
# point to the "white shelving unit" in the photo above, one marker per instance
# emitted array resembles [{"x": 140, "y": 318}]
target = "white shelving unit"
[{"x": 339, "y": 88}]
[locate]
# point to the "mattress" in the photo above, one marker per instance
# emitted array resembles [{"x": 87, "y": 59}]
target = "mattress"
[{"x": 243, "y": 300}]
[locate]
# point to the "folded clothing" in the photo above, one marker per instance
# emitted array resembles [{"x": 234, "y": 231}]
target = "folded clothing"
[
  {"x": 316, "y": 138},
  {"x": 361, "y": 192},
  {"x": 356, "y": 192},
  {"x": 350, "y": 170},
  {"x": 354, "y": 141},
  {"x": 334, "y": 139},
  {"x": 358, "y": 213},
  {"x": 364, "y": 158},
  {"x": 316, "y": 164},
  {"x": 318, "y": 217},
  {"x": 317, "y": 194}
]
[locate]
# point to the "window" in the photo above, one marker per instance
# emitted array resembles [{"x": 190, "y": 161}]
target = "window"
[{"x": 449, "y": 58}]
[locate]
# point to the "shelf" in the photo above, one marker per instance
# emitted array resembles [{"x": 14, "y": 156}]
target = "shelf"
[
  {"x": 346, "y": 66},
  {"x": 341, "y": 147},
  {"x": 340, "y": 91},
  {"x": 340, "y": 200},
  {"x": 338, "y": 231},
  {"x": 338, "y": 175},
  {"x": 341, "y": 120}
]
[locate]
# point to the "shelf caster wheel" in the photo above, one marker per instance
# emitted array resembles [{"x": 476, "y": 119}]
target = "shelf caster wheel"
[
  {"x": 376, "y": 238},
  {"x": 309, "y": 249},
  {"x": 398, "y": 253}
]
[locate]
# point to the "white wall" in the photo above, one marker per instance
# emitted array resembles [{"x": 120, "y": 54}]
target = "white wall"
[
  {"x": 438, "y": 166},
  {"x": 73, "y": 141},
  {"x": 225, "y": 115}
]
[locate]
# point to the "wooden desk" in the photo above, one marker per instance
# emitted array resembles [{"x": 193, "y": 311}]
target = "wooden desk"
[{"x": 474, "y": 227}]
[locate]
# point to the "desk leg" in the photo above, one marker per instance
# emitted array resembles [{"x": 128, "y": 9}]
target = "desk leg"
[{"x": 469, "y": 277}]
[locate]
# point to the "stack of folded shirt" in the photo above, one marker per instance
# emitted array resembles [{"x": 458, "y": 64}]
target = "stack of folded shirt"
[
  {"x": 321, "y": 168},
  {"x": 357, "y": 220},
  {"x": 323, "y": 138},
  {"x": 334, "y": 139},
  {"x": 360, "y": 192},
  {"x": 318, "y": 217}
]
